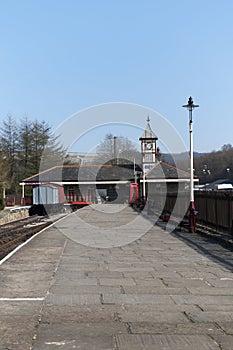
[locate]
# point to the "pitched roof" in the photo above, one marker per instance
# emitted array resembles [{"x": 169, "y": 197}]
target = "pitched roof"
[
  {"x": 84, "y": 173},
  {"x": 163, "y": 170},
  {"x": 106, "y": 172},
  {"x": 148, "y": 133}
]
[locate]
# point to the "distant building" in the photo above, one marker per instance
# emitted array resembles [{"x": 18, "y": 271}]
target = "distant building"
[{"x": 81, "y": 158}]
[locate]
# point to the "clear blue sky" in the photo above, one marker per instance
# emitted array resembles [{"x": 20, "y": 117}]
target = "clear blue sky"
[{"x": 58, "y": 57}]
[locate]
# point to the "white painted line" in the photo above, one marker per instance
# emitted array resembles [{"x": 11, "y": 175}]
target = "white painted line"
[
  {"x": 29, "y": 239},
  {"x": 22, "y": 299}
]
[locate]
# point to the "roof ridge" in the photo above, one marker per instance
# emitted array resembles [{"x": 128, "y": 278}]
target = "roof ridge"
[
  {"x": 175, "y": 167},
  {"x": 156, "y": 164},
  {"x": 74, "y": 166},
  {"x": 42, "y": 172}
]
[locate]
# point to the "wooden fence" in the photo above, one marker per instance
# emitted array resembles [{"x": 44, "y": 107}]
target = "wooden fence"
[
  {"x": 169, "y": 203},
  {"x": 215, "y": 209}
]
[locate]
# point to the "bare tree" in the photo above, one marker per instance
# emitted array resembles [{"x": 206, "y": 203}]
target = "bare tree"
[
  {"x": 218, "y": 163},
  {"x": 117, "y": 150},
  {"x": 226, "y": 147}
]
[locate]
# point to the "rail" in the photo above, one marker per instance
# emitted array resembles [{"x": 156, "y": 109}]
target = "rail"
[{"x": 14, "y": 233}]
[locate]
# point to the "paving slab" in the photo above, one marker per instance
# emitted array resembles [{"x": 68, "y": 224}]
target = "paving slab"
[
  {"x": 203, "y": 299},
  {"x": 151, "y": 289},
  {"x": 17, "y": 333},
  {"x": 159, "y": 291},
  {"x": 225, "y": 341},
  {"x": 20, "y": 308},
  {"x": 211, "y": 291},
  {"x": 136, "y": 299},
  {"x": 140, "y": 308},
  {"x": 117, "y": 282},
  {"x": 205, "y": 316},
  {"x": 177, "y": 282},
  {"x": 165, "y": 342},
  {"x": 188, "y": 328},
  {"x": 71, "y": 336},
  {"x": 150, "y": 282},
  {"x": 73, "y": 299},
  {"x": 69, "y": 279},
  {"x": 217, "y": 307},
  {"x": 80, "y": 313},
  {"x": 224, "y": 282},
  {"x": 154, "y": 316},
  {"x": 227, "y": 327},
  {"x": 86, "y": 289}
]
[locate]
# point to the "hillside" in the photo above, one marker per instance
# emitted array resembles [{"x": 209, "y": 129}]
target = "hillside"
[{"x": 208, "y": 167}]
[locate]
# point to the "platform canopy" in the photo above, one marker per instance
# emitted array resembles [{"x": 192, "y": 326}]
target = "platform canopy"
[
  {"x": 106, "y": 174},
  {"x": 85, "y": 174}
]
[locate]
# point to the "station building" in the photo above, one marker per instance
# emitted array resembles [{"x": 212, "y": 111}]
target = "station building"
[{"x": 93, "y": 183}]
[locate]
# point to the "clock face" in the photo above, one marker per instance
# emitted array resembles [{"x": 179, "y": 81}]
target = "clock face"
[{"x": 149, "y": 146}]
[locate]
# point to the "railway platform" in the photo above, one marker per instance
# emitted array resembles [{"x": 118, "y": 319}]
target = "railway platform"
[{"x": 105, "y": 278}]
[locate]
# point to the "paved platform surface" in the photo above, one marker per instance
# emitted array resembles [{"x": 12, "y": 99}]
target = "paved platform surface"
[{"x": 158, "y": 291}]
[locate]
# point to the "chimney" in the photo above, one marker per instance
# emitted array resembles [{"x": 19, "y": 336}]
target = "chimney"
[{"x": 115, "y": 149}]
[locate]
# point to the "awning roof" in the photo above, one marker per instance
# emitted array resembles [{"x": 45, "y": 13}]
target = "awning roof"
[
  {"x": 105, "y": 174},
  {"x": 84, "y": 174}
]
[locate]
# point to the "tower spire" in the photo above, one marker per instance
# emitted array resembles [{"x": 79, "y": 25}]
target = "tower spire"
[
  {"x": 148, "y": 147},
  {"x": 148, "y": 133}
]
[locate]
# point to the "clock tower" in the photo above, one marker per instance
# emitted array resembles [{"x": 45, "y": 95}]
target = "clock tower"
[{"x": 148, "y": 147}]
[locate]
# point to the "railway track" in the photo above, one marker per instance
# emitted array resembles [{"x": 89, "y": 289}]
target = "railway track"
[{"x": 16, "y": 232}]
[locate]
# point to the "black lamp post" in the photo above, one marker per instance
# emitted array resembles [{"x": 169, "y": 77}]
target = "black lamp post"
[
  {"x": 228, "y": 172},
  {"x": 205, "y": 172},
  {"x": 192, "y": 214}
]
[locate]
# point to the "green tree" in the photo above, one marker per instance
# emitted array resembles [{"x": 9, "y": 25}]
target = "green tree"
[
  {"x": 25, "y": 142},
  {"x": 4, "y": 170},
  {"x": 53, "y": 154},
  {"x": 40, "y": 132},
  {"x": 9, "y": 151},
  {"x": 22, "y": 150}
]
